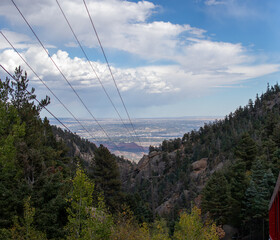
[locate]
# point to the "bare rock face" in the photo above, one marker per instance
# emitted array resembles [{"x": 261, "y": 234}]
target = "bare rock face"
[
  {"x": 147, "y": 163},
  {"x": 87, "y": 156},
  {"x": 199, "y": 169},
  {"x": 161, "y": 164},
  {"x": 199, "y": 173},
  {"x": 153, "y": 154},
  {"x": 200, "y": 165},
  {"x": 143, "y": 163}
]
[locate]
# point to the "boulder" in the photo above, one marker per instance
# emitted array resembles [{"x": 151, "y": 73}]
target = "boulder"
[{"x": 200, "y": 164}]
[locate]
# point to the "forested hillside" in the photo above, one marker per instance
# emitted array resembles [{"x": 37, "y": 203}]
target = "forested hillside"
[
  {"x": 39, "y": 165},
  {"x": 228, "y": 168},
  {"x": 55, "y": 185}
]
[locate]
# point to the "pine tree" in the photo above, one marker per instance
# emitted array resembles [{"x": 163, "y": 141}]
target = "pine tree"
[
  {"x": 107, "y": 178},
  {"x": 246, "y": 150},
  {"x": 238, "y": 184},
  {"x": 216, "y": 197},
  {"x": 258, "y": 194},
  {"x": 31, "y": 161},
  {"x": 12, "y": 190}
]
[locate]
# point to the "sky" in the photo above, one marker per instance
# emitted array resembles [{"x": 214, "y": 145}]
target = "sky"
[{"x": 169, "y": 58}]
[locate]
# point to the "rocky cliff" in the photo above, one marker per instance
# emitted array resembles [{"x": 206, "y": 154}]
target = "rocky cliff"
[
  {"x": 173, "y": 175},
  {"x": 170, "y": 180}
]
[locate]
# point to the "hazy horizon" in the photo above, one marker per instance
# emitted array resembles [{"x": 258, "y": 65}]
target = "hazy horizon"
[{"x": 150, "y": 131}]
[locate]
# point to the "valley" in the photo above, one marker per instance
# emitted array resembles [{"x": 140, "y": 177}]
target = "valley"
[{"x": 150, "y": 131}]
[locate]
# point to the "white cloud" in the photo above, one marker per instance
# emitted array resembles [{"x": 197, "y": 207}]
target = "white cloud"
[
  {"x": 121, "y": 25},
  {"x": 247, "y": 72},
  {"x": 234, "y": 8},
  {"x": 79, "y": 73},
  {"x": 198, "y": 63},
  {"x": 148, "y": 80},
  {"x": 214, "y": 2},
  {"x": 205, "y": 55},
  {"x": 125, "y": 26},
  {"x": 20, "y": 41}
]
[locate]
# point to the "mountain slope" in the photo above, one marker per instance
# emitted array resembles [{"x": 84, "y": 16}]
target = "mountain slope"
[{"x": 174, "y": 175}]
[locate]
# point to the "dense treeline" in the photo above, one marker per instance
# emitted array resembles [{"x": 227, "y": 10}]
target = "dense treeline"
[
  {"x": 55, "y": 185},
  {"x": 37, "y": 167},
  {"x": 48, "y": 191},
  {"x": 32, "y": 161},
  {"x": 246, "y": 144},
  {"x": 249, "y": 139}
]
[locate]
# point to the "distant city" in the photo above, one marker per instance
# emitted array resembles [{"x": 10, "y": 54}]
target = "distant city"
[{"x": 149, "y": 131}]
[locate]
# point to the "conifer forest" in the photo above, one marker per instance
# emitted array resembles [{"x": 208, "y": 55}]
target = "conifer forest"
[{"x": 56, "y": 185}]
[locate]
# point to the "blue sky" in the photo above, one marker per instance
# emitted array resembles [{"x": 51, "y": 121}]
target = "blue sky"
[{"x": 170, "y": 58}]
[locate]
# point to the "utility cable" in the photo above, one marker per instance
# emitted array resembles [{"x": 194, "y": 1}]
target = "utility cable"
[
  {"x": 46, "y": 86},
  {"x": 63, "y": 74},
  {"x": 108, "y": 65},
  {"x": 86, "y": 56},
  {"x": 38, "y": 101}
]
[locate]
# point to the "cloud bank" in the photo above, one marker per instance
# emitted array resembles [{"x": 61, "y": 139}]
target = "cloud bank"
[{"x": 179, "y": 59}]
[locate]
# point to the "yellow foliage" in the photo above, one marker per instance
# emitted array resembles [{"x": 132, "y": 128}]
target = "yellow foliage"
[
  {"x": 129, "y": 231},
  {"x": 126, "y": 228},
  {"x": 191, "y": 227},
  {"x": 24, "y": 229},
  {"x": 160, "y": 231}
]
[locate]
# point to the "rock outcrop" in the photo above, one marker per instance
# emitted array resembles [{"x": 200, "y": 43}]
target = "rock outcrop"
[
  {"x": 200, "y": 165},
  {"x": 158, "y": 169}
]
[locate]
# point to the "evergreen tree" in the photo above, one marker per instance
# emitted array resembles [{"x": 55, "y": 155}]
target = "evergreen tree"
[
  {"x": 107, "y": 178},
  {"x": 216, "y": 198},
  {"x": 32, "y": 163},
  {"x": 238, "y": 184},
  {"x": 259, "y": 191},
  {"x": 258, "y": 194},
  {"x": 12, "y": 190},
  {"x": 246, "y": 150}
]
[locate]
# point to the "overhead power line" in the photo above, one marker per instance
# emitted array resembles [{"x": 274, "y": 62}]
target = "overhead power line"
[
  {"x": 89, "y": 62},
  {"x": 106, "y": 134},
  {"x": 37, "y": 100},
  {"x": 47, "y": 86},
  {"x": 108, "y": 65}
]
